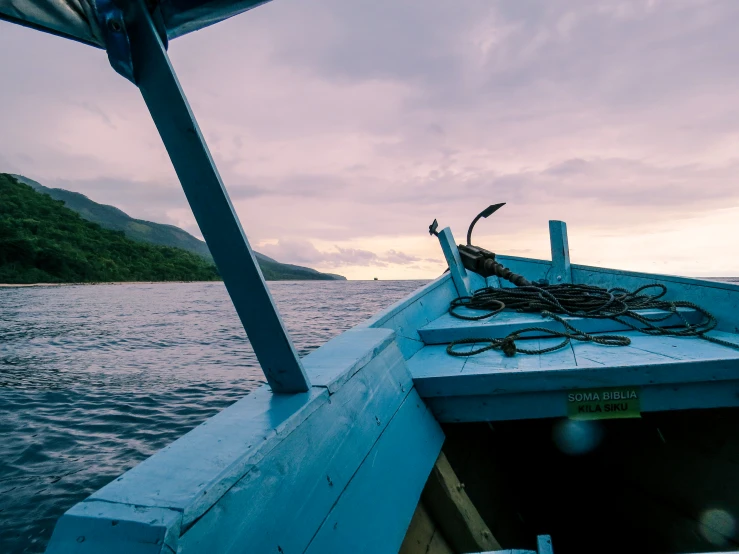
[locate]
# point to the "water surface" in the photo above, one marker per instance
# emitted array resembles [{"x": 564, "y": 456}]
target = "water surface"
[{"x": 94, "y": 379}]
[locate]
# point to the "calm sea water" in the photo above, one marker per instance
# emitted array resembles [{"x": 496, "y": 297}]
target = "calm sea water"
[{"x": 94, "y": 379}]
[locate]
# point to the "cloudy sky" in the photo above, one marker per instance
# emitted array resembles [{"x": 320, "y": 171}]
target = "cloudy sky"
[{"x": 342, "y": 128}]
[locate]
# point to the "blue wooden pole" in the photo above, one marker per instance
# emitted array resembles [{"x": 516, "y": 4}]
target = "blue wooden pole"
[
  {"x": 561, "y": 267},
  {"x": 197, "y": 172},
  {"x": 456, "y": 268},
  {"x": 544, "y": 544}
]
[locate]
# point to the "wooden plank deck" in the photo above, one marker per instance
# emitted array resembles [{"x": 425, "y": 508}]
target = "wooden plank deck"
[
  {"x": 672, "y": 373},
  {"x": 448, "y": 328}
]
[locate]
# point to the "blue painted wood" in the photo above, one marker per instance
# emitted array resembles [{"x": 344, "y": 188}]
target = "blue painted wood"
[
  {"x": 437, "y": 371},
  {"x": 193, "y": 472},
  {"x": 589, "y": 355},
  {"x": 433, "y": 361},
  {"x": 340, "y": 358},
  {"x": 683, "y": 349},
  {"x": 492, "y": 371},
  {"x": 457, "y": 270},
  {"x": 417, "y": 310},
  {"x": 94, "y": 527},
  {"x": 282, "y": 501},
  {"x": 407, "y": 322},
  {"x": 561, "y": 270},
  {"x": 723, "y": 394},
  {"x": 447, "y": 328},
  {"x": 433, "y": 305},
  {"x": 442, "y": 286},
  {"x": 544, "y": 544},
  {"x": 212, "y": 207},
  {"x": 476, "y": 281},
  {"x": 408, "y": 346},
  {"x": 213, "y": 456},
  {"x": 502, "y": 407},
  {"x": 481, "y": 363},
  {"x": 374, "y": 512},
  {"x": 721, "y": 299},
  {"x": 549, "y": 404},
  {"x": 610, "y": 275},
  {"x": 265, "y": 464}
]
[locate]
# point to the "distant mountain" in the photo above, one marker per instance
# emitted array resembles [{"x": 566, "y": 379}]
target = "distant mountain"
[
  {"x": 110, "y": 217},
  {"x": 43, "y": 241}
]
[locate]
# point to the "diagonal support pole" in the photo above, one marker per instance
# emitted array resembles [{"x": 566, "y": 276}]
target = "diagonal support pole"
[{"x": 211, "y": 206}]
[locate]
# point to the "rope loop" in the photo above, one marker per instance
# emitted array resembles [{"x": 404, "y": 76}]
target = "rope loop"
[{"x": 586, "y": 301}]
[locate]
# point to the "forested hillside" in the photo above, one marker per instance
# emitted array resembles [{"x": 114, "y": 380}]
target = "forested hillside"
[
  {"x": 110, "y": 217},
  {"x": 41, "y": 240}
]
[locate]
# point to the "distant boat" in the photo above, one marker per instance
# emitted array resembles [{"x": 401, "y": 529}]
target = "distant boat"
[
  {"x": 510, "y": 403},
  {"x": 375, "y": 278}
]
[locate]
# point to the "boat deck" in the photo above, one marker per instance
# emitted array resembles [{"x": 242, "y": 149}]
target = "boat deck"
[
  {"x": 666, "y": 372},
  {"x": 448, "y": 328}
]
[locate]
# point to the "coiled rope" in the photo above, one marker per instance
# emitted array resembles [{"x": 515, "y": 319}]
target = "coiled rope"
[{"x": 586, "y": 301}]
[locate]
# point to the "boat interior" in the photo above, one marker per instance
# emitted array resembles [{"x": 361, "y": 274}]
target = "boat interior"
[
  {"x": 663, "y": 483},
  {"x": 658, "y": 480},
  {"x": 416, "y": 430}
]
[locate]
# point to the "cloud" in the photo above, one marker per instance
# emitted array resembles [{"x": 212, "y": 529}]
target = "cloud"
[
  {"x": 395, "y": 257},
  {"x": 357, "y": 123},
  {"x": 299, "y": 251}
]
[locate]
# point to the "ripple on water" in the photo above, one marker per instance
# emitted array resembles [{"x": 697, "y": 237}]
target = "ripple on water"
[{"x": 94, "y": 379}]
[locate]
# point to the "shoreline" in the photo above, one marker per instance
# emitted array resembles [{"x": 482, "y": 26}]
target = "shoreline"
[
  {"x": 730, "y": 280},
  {"x": 29, "y": 285},
  {"x": 24, "y": 285}
]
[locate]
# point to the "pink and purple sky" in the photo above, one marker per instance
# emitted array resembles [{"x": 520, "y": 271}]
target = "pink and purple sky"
[{"x": 342, "y": 128}]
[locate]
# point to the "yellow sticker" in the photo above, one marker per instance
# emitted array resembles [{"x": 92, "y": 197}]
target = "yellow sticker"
[{"x": 612, "y": 403}]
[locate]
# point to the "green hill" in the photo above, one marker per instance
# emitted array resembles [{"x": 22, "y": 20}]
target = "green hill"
[
  {"x": 41, "y": 240},
  {"x": 110, "y": 217}
]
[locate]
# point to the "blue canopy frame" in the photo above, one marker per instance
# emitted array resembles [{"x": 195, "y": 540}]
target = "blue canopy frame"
[
  {"x": 85, "y": 20},
  {"x": 136, "y": 39}
]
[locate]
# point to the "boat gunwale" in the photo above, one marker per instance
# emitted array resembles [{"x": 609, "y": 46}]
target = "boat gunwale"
[
  {"x": 696, "y": 281},
  {"x": 401, "y": 305}
]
